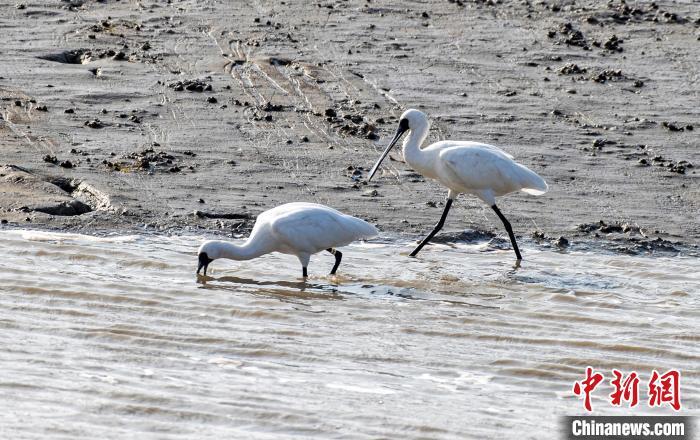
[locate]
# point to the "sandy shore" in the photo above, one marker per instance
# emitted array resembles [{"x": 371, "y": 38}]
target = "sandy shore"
[{"x": 197, "y": 115}]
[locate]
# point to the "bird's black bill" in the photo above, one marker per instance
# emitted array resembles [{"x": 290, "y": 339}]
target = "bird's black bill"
[
  {"x": 403, "y": 127},
  {"x": 204, "y": 261}
]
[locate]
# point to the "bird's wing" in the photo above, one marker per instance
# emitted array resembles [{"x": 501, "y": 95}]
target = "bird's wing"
[
  {"x": 485, "y": 171},
  {"x": 312, "y": 230},
  {"x": 444, "y": 145}
]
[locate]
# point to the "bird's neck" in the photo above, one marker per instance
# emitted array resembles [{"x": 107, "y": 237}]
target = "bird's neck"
[
  {"x": 412, "y": 152},
  {"x": 246, "y": 251}
]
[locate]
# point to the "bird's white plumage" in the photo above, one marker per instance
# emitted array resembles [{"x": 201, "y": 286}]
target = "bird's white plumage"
[
  {"x": 311, "y": 228},
  {"x": 463, "y": 167},
  {"x": 474, "y": 168},
  {"x": 300, "y": 229},
  {"x": 442, "y": 145}
]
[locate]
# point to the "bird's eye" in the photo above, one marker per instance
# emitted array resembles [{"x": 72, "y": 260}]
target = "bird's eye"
[{"x": 403, "y": 124}]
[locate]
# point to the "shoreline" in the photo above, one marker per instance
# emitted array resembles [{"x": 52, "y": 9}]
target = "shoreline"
[{"x": 615, "y": 244}]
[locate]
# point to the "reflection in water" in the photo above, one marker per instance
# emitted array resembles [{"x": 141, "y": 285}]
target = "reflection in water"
[
  {"x": 117, "y": 336},
  {"x": 279, "y": 288}
]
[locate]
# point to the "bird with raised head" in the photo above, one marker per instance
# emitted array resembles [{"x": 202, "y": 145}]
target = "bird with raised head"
[{"x": 466, "y": 167}]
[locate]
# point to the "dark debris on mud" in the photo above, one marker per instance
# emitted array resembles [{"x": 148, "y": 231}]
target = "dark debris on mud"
[
  {"x": 570, "y": 36},
  {"x": 620, "y": 12},
  {"x": 466, "y": 236},
  {"x": 84, "y": 56},
  {"x": 630, "y": 239},
  {"x": 192, "y": 85},
  {"x": 349, "y": 122},
  {"x": 148, "y": 160}
]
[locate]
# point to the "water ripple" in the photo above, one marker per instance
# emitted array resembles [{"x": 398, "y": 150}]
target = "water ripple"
[{"x": 116, "y": 337}]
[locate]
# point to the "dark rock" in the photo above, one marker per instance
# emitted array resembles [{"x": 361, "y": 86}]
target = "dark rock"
[
  {"x": 50, "y": 159},
  {"x": 561, "y": 242},
  {"x": 607, "y": 229},
  {"x": 670, "y": 126},
  {"x": 95, "y": 123},
  {"x": 572, "y": 36},
  {"x": 608, "y": 75},
  {"x": 79, "y": 56},
  {"x": 192, "y": 85},
  {"x": 270, "y": 107},
  {"x": 571, "y": 69},
  {"x": 233, "y": 216},
  {"x": 73, "y": 207},
  {"x": 613, "y": 44}
]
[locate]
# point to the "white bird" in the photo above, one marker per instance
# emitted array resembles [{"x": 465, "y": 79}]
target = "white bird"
[
  {"x": 463, "y": 167},
  {"x": 300, "y": 229}
]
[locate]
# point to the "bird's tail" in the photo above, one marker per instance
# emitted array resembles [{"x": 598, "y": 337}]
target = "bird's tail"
[
  {"x": 531, "y": 182},
  {"x": 365, "y": 229}
]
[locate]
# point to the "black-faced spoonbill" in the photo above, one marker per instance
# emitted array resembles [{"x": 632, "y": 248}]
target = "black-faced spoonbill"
[
  {"x": 463, "y": 167},
  {"x": 300, "y": 229}
]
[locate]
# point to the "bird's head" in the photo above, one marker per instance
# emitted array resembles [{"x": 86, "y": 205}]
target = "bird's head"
[
  {"x": 415, "y": 118},
  {"x": 411, "y": 119},
  {"x": 208, "y": 252}
]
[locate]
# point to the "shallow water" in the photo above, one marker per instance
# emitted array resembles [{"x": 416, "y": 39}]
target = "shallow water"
[{"x": 115, "y": 337}]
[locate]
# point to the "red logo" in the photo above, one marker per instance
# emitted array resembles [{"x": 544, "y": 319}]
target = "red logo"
[
  {"x": 665, "y": 388},
  {"x": 587, "y": 386},
  {"x": 627, "y": 390}
]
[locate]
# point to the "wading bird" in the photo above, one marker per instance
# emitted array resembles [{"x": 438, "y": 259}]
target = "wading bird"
[
  {"x": 300, "y": 229},
  {"x": 463, "y": 167}
]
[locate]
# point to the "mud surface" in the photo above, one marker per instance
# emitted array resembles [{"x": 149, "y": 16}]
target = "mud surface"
[{"x": 199, "y": 115}]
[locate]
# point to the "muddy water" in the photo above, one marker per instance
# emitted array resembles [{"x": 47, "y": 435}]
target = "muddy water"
[{"x": 116, "y": 338}]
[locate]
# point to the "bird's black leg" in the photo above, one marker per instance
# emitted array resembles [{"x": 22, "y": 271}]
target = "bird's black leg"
[
  {"x": 510, "y": 231},
  {"x": 437, "y": 228},
  {"x": 304, "y": 273},
  {"x": 338, "y": 258}
]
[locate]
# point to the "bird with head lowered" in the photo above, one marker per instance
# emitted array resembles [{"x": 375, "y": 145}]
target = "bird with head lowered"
[{"x": 300, "y": 229}]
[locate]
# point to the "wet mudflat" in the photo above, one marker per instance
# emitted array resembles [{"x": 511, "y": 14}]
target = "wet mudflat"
[
  {"x": 144, "y": 113},
  {"x": 115, "y": 337}
]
